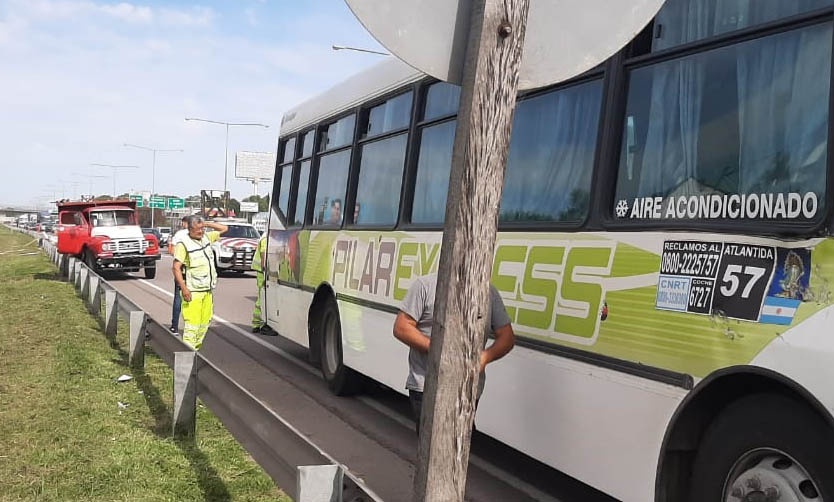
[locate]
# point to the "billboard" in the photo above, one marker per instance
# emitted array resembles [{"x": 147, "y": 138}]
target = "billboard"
[{"x": 254, "y": 165}]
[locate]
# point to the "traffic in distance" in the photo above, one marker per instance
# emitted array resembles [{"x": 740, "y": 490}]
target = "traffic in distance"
[{"x": 663, "y": 252}]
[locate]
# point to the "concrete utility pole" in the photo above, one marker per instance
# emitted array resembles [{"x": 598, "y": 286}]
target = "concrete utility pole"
[{"x": 461, "y": 309}]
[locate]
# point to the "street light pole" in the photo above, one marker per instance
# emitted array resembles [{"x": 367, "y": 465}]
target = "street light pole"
[
  {"x": 153, "y": 168},
  {"x": 226, "y": 151}
]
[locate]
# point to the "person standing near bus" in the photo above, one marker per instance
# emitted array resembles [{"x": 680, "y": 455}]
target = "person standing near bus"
[
  {"x": 413, "y": 327},
  {"x": 194, "y": 253},
  {"x": 176, "y": 307},
  {"x": 258, "y": 265}
]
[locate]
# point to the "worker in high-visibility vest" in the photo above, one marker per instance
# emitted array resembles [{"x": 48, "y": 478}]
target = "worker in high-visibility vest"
[
  {"x": 200, "y": 278},
  {"x": 259, "y": 265}
]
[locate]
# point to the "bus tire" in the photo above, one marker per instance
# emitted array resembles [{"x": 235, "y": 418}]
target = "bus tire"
[
  {"x": 341, "y": 380},
  {"x": 764, "y": 442}
]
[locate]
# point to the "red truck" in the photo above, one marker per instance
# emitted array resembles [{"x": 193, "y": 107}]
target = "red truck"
[{"x": 106, "y": 235}]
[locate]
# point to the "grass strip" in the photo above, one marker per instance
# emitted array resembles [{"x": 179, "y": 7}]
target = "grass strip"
[{"x": 69, "y": 431}]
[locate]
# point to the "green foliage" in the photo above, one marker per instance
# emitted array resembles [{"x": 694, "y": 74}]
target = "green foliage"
[{"x": 70, "y": 431}]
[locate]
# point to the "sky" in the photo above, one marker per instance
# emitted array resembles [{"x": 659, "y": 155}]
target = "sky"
[{"x": 81, "y": 78}]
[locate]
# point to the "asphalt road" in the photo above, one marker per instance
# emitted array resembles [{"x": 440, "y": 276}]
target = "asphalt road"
[{"x": 371, "y": 434}]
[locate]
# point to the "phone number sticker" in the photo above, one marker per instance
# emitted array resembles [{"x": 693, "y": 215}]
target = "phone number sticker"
[{"x": 705, "y": 277}]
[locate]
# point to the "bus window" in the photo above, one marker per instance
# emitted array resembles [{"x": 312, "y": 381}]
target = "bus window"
[
  {"x": 433, "y": 167},
  {"x": 682, "y": 21},
  {"x": 551, "y": 156},
  {"x": 730, "y": 133},
  {"x": 289, "y": 150},
  {"x": 389, "y": 116},
  {"x": 307, "y": 143},
  {"x": 442, "y": 99},
  {"x": 380, "y": 180},
  {"x": 337, "y": 134},
  {"x": 301, "y": 198},
  {"x": 284, "y": 190},
  {"x": 331, "y": 187}
]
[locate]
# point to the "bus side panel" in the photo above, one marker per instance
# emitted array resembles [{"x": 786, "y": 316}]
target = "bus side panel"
[
  {"x": 288, "y": 312},
  {"x": 369, "y": 346},
  {"x": 601, "y": 426}
]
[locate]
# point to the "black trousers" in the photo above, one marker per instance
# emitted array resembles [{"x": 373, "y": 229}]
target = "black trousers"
[{"x": 416, "y": 399}]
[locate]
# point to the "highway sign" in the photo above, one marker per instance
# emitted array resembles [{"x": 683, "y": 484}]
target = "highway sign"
[
  {"x": 156, "y": 202},
  {"x": 248, "y": 207},
  {"x": 140, "y": 202},
  {"x": 175, "y": 203}
]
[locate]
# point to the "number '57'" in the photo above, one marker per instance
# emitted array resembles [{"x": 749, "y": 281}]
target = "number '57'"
[{"x": 735, "y": 274}]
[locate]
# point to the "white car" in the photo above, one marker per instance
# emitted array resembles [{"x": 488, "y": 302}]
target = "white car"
[{"x": 236, "y": 247}]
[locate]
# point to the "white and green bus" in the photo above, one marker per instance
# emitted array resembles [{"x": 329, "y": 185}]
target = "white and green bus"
[{"x": 664, "y": 251}]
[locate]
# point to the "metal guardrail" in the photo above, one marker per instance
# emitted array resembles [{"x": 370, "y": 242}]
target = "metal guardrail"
[{"x": 302, "y": 469}]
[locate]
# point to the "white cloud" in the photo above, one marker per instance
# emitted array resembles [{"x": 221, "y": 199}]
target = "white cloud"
[
  {"x": 80, "y": 78},
  {"x": 251, "y": 16}
]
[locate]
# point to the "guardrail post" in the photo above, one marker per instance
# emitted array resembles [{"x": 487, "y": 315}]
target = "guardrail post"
[
  {"x": 63, "y": 264},
  {"x": 136, "y": 356},
  {"x": 319, "y": 483},
  {"x": 71, "y": 269},
  {"x": 85, "y": 285},
  {"x": 77, "y": 274},
  {"x": 95, "y": 295},
  {"x": 185, "y": 393},
  {"x": 111, "y": 312}
]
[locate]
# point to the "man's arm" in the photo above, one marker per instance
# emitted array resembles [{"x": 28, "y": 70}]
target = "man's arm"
[
  {"x": 217, "y": 226},
  {"x": 405, "y": 330},
  {"x": 503, "y": 344},
  {"x": 177, "y": 269}
]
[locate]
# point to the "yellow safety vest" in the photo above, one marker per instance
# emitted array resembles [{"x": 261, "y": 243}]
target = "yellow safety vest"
[
  {"x": 257, "y": 259},
  {"x": 200, "y": 274}
]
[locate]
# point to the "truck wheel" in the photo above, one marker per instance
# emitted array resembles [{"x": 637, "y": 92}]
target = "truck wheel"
[
  {"x": 150, "y": 272},
  {"x": 764, "y": 445},
  {"x": 342, "y": 380},
  {"x": 90, "y": 260}
]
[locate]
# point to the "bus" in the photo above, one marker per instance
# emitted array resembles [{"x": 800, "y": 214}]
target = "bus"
[{"x": 664, "y": 251}]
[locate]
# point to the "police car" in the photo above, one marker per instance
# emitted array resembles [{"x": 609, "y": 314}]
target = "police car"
[{"x": 236, "y": 247}]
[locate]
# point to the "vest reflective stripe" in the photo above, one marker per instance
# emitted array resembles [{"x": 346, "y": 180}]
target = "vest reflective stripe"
[{"x": 200, "y": 274}]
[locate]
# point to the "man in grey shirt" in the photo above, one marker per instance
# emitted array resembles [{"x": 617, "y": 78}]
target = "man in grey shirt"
[{"x": 413, "y": 328}]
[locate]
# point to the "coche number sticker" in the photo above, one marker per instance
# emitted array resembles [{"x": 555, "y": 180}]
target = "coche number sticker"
[{"x": 706, "y": 277}]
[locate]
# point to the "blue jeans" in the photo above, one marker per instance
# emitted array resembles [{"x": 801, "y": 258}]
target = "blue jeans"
[{"x": 177, "y": 307}]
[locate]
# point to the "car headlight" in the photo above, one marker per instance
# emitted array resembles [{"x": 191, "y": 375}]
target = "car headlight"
[
  {"x": 107, "y": 246},
  {"x": 227, "y": 249}
]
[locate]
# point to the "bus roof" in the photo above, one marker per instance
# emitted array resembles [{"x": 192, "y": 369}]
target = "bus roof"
[{"x": 368, "y": 84}]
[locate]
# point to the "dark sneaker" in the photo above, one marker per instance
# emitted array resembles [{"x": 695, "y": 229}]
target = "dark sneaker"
[
  {"x": 256, "y": 329},
  {"x": 173, "y": 330}
]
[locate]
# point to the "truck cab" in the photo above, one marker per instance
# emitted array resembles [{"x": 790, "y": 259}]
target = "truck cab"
[{"x": 106, "y": 236}]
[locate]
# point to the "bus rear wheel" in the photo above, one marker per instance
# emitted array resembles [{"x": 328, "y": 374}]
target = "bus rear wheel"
[
  {"x": 765, "y": 447},
  {"x": 341, "y": 380}
]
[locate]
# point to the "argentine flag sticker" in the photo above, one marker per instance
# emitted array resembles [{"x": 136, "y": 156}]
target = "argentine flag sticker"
[{"x": 778, "y": 310}]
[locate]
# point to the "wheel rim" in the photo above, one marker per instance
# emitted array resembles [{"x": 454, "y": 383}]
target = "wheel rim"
[
  {"x": 769, "y": 475},
  {"x": 331, "y": 345}
]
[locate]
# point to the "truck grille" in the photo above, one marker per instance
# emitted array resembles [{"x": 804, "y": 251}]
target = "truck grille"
[{"x": 126, "y": 246}]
